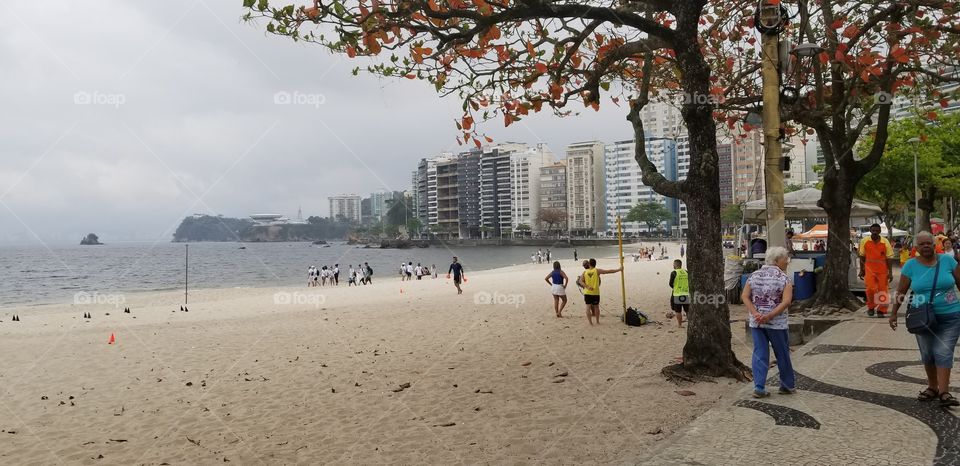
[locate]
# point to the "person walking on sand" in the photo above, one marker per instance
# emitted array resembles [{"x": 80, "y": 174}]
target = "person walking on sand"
[
  {"x": 574, "y": 254},
  {"x": 680, "y": 298},
  {"x": 369, "y": 273},
  {"x": 558, "y": 281},
  {"x": 336, "y": 274},
  {"x": 767, "y": 296},
  {"x": 876, "y": 270},
  {"x": 433, "y": 270},
  {"x": 310, "y": 276},
  {"x": 457, "y": 270},
  {"x": 351, "y": 276},
  {"x": 682, "y": 251},
  {"x": 591, "y": 287}
]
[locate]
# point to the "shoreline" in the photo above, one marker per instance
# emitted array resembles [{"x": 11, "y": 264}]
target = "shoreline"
[{"x": 174, "y": 290}]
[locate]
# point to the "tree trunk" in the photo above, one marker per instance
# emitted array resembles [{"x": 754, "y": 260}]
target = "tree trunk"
[
  {"x": 926, "y": 208},
  {"x": 708, "y": 350},
  {"x": 836, "y": 200}
]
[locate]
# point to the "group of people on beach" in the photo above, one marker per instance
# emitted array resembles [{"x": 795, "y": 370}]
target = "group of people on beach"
[
  {"x": 541, "y": 257},
  {"x": 323, "y": 276},
  {"x": 408, "y": 271},
  {"x": 588, "y": 282}
]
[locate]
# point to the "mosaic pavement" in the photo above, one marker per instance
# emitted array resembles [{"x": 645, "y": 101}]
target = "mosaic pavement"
[{"x": 856, "y": 404}]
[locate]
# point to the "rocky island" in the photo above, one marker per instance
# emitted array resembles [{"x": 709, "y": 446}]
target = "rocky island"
[{"x": 90, "y": 240}]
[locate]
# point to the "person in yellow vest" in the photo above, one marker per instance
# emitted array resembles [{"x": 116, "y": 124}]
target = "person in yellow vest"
[
  {"x": 590, "y": 280},
  {"x": 680, "y": 298}
]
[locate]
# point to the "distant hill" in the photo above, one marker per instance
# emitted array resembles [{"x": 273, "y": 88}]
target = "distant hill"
[{"x": 210, "y": 228}]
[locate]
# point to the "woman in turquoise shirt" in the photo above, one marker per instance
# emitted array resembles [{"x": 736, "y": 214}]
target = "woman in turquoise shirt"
[{"x": 936, "y": 348}]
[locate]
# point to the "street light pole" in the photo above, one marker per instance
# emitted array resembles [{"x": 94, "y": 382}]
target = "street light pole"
[{"x": 769, "y": 22}]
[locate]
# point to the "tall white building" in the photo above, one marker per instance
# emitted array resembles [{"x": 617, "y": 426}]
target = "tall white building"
[
  {"x": 379, "y": 204},
  {"x": 586, "y": 213},
  {"x": 624, "y": 180},
  {"x": 525, "y": 185},
  {"x": 345, "y": 206}
]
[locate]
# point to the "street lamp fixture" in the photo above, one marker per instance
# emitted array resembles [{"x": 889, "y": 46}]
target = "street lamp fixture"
[{"x": 806, "y": 50}]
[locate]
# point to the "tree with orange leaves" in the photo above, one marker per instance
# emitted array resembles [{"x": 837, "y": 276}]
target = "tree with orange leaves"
[{"x": 508, "y": 58}]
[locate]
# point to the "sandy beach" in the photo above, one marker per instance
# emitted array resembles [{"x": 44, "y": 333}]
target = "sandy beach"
[{"x": 395, "y": 372}]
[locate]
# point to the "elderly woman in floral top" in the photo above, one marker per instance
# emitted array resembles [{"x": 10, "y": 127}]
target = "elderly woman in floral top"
[{"x": 767, "y": 295}]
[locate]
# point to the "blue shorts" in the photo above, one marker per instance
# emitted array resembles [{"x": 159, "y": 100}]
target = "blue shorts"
[{"x": 937, "y": 348}]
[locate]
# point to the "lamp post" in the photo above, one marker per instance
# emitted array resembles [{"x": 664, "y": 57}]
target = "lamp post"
[
  {"x": 916, "y": 188},
  {"x": 770, "y": 22}
]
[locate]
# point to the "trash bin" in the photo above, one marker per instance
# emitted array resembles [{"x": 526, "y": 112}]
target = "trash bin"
[{"x": 804, "y": 285}]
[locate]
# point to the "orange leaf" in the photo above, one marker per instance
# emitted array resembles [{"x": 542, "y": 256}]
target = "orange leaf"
[
  {"x": 433, "y": 5},
  {"x": 477, "y": 142},
  {"x": 467, "y": 122},
  {"x": 488, "y": 139},
  {"x": 411, "y": 76},
  {"x": 850, "y": 31},
  {"x": 541, "y": 68},
  {"x": 351, "y": 51},
  {"x": 507, "y": 119},
  {"x": 932, "y": 116}
]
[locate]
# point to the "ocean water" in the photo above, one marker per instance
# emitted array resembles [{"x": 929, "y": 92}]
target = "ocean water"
[{"x": 39, "y": 274}]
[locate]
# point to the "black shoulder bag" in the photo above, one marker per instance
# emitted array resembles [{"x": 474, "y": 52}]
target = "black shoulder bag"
[{"x": 922, "y": 319}]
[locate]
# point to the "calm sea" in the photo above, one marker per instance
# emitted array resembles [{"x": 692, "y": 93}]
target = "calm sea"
[{"x": 40, "y": 275}]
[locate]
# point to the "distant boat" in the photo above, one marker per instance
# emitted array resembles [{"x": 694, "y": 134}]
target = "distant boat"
[{"x": 242, "y": 247}]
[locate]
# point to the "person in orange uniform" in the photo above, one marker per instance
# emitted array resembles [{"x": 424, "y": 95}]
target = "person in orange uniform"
[{"x": 876, "y": 270}]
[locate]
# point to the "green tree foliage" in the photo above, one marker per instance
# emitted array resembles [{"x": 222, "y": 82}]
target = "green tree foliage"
[
  {"x": 732, "y": 215},
  {"x": 936, "y": 145},
  {"x": 652, "y": 214},
  {"x": 400, "y": 212}
]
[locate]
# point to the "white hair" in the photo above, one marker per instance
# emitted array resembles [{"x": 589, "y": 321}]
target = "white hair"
[
  {"x": 924, "y": 234},
  {"x": 774, "y": 254}
]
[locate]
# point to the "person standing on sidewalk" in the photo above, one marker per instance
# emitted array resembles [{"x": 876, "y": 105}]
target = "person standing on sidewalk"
[
  {"x": 936, "y": 347},
  {"x": 767, "y": 295},
  {"x": 876, "y": 270}
]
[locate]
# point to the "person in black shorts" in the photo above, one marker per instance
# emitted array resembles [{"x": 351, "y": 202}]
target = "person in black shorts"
[{"x": 457, "y": 270}]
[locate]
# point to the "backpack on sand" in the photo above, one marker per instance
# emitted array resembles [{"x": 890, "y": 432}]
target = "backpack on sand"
[{"x": 635, "y": 318}]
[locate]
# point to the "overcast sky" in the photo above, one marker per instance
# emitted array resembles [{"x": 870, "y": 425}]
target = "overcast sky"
[{"x": 122, "y": 117}]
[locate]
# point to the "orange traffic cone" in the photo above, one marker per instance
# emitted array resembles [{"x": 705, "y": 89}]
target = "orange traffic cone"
[{"x": 112, "y": 339}]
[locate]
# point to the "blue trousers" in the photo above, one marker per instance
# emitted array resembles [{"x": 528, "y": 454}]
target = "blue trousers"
[{"x": 763, "y": 339}]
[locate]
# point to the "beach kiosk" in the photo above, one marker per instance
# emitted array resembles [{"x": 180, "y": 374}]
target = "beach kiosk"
[{"x": 802, "y": 206}]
